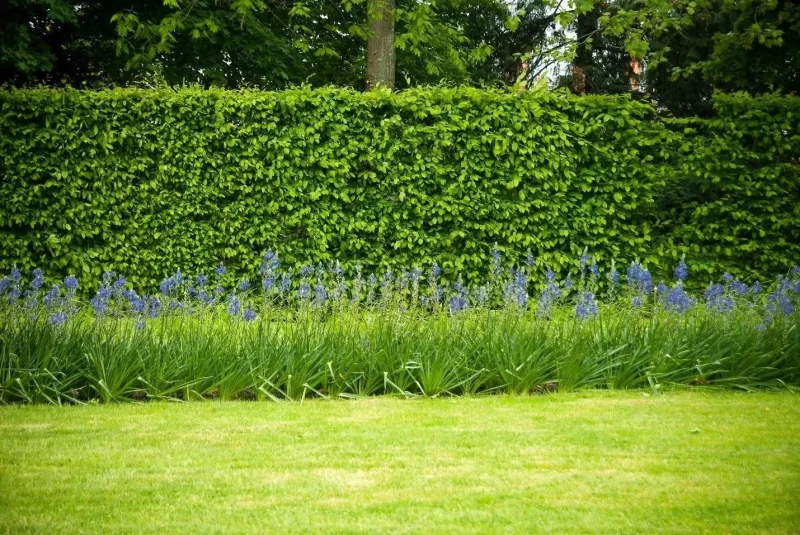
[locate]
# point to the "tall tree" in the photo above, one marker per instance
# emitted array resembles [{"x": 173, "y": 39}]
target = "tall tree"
[
  {"x": 751, "y": 45},
  {"x": 380, "y": 44}
]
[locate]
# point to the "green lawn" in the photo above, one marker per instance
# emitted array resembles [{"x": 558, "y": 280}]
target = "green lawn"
[{"x": 593, "y": 462}]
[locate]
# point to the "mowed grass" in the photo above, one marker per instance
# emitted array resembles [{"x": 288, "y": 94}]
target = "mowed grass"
[{"x": 598, "y": 462}]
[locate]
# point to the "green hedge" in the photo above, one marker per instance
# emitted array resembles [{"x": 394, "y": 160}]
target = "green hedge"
[
  {"x": 146, "y": 181},
  {"x": 732, "y": 201}
]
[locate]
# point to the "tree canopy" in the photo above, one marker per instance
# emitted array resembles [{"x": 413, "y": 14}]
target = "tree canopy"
[{"x": 688, "y": 48}]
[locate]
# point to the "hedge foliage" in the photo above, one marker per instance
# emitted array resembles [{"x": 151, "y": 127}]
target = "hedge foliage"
[
  {"x": 732, "y": 198},
  {"x": 146, "y": 181}
]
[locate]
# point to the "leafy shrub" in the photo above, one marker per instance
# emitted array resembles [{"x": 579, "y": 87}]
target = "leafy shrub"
[
  {"x": 732, "y": 200},
  {"x": 146, "y": 181}
]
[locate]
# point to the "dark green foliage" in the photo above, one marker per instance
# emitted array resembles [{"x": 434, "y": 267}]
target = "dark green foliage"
[
  {"x": 253, "y": 43},
  {"x": 144, "y": 182},
  {"x": 733, "y": 201}
]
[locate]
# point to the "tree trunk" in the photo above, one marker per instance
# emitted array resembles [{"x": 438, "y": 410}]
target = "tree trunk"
[
  {"x": 380, "y": 44},
  {"x": 583, "y": 66}
]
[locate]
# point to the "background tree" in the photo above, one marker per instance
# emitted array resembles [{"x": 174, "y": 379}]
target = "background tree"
[
  {"x": 58, "y": 41},
  {"x": 693, "y": 47},
  {"x": 689, "y": 47}
]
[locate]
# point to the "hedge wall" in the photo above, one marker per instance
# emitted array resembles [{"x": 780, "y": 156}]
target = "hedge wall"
[
  {"x": 146, "y": 181},
  {"x": 732, "y": 198}
]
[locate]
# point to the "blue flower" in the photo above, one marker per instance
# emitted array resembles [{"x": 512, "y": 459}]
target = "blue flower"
[
  {"x": 587, "y": 307},
  {"x": 166, "y": 286},
  {"x": 137, "y": 304},
  {"x": 30, "y": 300},
  {"x": 714, "y": 291},
  {"x": 340, "y": 291},
  {"x": 285, "y": 283},
  {"x": 584, "y": 259},
  {"x": 233, "y": 305},
  {"x": 249, "y": 315},
  {"x": 153, "y": 307},
  {"x": 662, "y": 288},
  {"x": 640, "y": 278},
  {"x": 739, "y": 288},
  {"x": 725, "y": 304},
  {"x": 727, "y": 277},
  {"x": 568, "y": 282},
  {"x": 38, "y": 279},
  {"x": 244, "y": 285},
  {"x": 5, "y": 284},
  {"x": 52, "y": 295},
  {"x": 516, "y": 290},
  {"x": 269, "y": 262},
  {"x": 219, "y": 290},
  {"x": 784, "y": 285},
  {"x": 530, "y": 259},
  {"x": 435, "y": 271},
  {"x": 269, "y": 282},
  {"x": 415, "y": 275},
  {"x": 637, "y": 301},
  {"x": 438, "y": 293},
  {"x": 15, "y": 275},
  {"x": 107, "y": 277},
  {"x": 58, "y": 318},
  {"x": 522, "y": 299},
  {"x": 305, "y": 271},
  {"x": 633, "y": 273},
  {"x": 140, "y": 324},
  {"x": 220, "y": 271},
  {"x": 304, "y": 290},
  {"x": 497, "y": 261},
  {"x": 550, "y": 295},
  {"x": 119, "y": 284},
  {"x": 320, "y": 294},
  {"x": 201, "y": 280},
  {"x": 717, "y": 300},
  {"x": 595, "y": 270},
  {"x": 99, "y": 305},
  {"x": 682, "y": 271},
  {"x": 779, "y": 301},
  {"x": 678, "y": 300},
  {"x": 402, "y": 280},
  {"x": 457, "y": 303},
  {"x": 755, "y": 289},
  {"x": 459, "y": 288},
  {"x": 550, "y": 275},
  {"x": 614, "y": 277}
]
